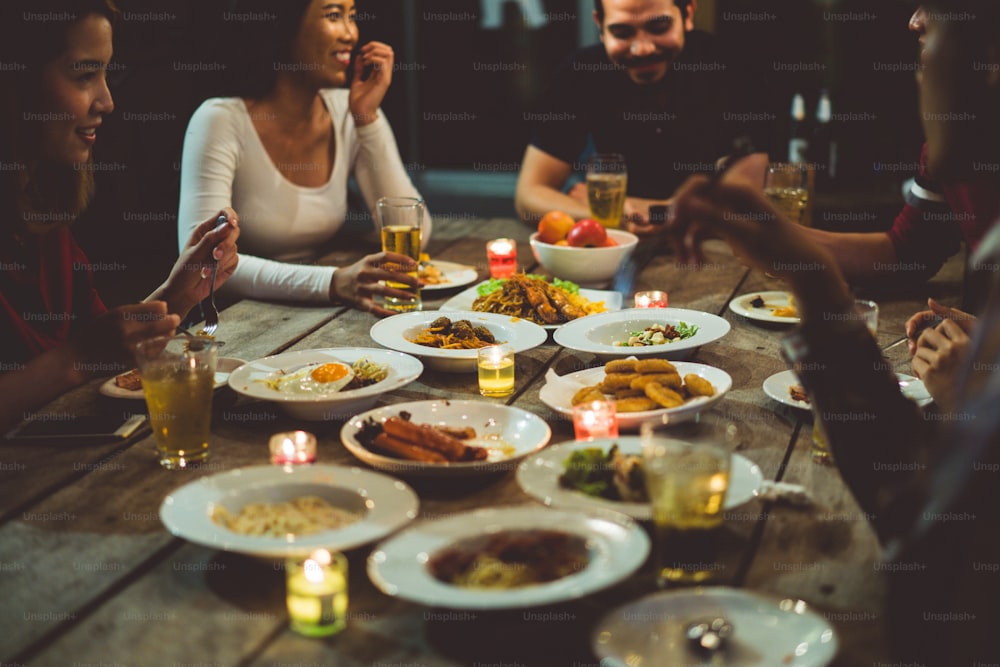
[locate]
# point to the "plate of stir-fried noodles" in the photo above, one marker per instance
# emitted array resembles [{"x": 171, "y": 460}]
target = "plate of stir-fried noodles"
[{"x": 533, "y": 298}]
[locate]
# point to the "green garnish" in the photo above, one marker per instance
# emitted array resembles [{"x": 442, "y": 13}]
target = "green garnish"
[
  {"x": 686, "y": 330},
  {"x": 590, "y": 471},
  {"x": 493, "y": 284}
]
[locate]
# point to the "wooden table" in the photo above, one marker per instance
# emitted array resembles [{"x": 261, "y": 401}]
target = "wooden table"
[{"x": 88, "y": 575}]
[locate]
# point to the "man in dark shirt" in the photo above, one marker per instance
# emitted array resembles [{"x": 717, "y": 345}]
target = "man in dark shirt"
[{"x": 653, "y": 91}]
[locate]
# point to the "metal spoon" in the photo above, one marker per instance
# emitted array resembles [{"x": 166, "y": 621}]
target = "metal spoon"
[{"x": 709, "y": 635}]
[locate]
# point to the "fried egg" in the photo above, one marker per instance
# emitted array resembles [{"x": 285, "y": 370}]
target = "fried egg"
[{"x": 327, "y": 378}]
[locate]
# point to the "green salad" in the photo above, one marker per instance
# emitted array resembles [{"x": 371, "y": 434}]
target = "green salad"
[
  {"x": 610, "y": 475},
  {"x": 658, "y": 334}
]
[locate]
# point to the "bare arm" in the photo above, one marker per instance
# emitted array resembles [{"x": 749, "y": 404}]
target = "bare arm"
[
  {"x": 539, "y": 187},
  {"x": 858, "y": 254}
]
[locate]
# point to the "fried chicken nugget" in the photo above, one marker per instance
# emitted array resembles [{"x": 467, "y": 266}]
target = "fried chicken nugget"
[
  {"x": 591, "y": 393},
  {"x": 620, "y": 366},
  {"x": 698, "y": 386},
  {"x": 636, "y": 404},
  {"x": 615, "y": 381},
  {"x": 664, "y": 397},
  {"x": 629, "y": 393},
  {"x": 670, "y": 380},
  {"x": 654, "y": 366}
]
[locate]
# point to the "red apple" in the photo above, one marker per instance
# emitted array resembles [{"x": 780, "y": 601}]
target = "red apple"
[{"x": 587, "y": 233}]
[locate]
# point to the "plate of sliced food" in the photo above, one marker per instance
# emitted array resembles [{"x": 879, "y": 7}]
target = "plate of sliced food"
[
  {"x": 440, "y": 275},
  {"x": 444, "y": 438},
  {"x": 642, "y": 389},
  {"x": 643, "y": 332},
  {"x": 607, "y": 473},
  {"x": 449, "y": 341},
  {"x": 129, "y": 385},
  {"x": 508, "y": 558},
  {"x": 776, "y": 307},
  {"x": 534, "y": 298}
]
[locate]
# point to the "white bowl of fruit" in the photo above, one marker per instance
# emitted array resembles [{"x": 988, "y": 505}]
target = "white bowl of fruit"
[{"x": 581, "y": 251}]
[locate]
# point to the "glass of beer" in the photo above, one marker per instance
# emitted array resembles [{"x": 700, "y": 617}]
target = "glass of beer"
[
  {"x": 399, "y": 222},
  {"x": 787, "y": 186},
  {"x": 606, "y": 183},
  {"x": 687, "y": 477},
  {"x": 178, "y": 379}
]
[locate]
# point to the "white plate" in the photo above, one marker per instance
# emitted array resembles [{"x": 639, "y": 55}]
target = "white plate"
[
  {"x": 223, "y": 367},
  {"x": 387, "y": 504},
  {"x": 456, "y": 275},
  {"x": 247, "y": 380},
  {"x": 741, "y": 306},
  {"x": 525, "y": 432},
  {"x": 558, "y": 395},
  {"x": 617, "y": 546},
  {"x": 767, "y": 632},
  {"x": 539, "y": 478},
  {"x": 776, "y": 386},
  {"x": 464, "y": 300},
  {"x": 597, "y": 333},
  {"x": 394, "y": 332}
]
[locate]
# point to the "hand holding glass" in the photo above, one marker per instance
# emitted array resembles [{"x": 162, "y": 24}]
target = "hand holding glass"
[
  {"x": 399, "y": 221},
  {"x": 787, "y": 186},
  {"x": 607, "y": 181}
]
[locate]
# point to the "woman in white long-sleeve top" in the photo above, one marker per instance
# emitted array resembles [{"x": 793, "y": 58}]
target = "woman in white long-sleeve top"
[{"x": 283, "y": 150}]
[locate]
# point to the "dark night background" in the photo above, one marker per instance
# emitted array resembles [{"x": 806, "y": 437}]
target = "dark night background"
[{"x": 468, "y": 167}]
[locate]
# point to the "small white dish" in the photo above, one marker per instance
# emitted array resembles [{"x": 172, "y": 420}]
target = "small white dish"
[
  {"x": 539, "y": 475},
  {"x": 741, "y": 306},
  {"x": 510, "y": 434},
  {"x": 558, "y": 395},
  {"x": 453, "y": 275},
  {"x": 396, "y": 331},
  {"x": 385, "y": 504},
  {"x": 616, "y": 547},
  {"x": 223, "y": 367},
  {"x": 464, "y": 300},
  {"x": 767, "y": 632},
  {"x": 249, "y": 380},
  {"x": 598, "y": 333},
  {"x": 777, "y": 387}
]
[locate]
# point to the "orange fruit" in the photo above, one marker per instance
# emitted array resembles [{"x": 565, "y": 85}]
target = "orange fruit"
[{"x": 554, "y": 226}]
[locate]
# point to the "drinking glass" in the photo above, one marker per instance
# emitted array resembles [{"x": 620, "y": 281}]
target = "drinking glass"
[
  {"x": 399, "y": 222},
  {"x": 687, "y": 476},
  {"x": 787, "y": 186},
  {"x": 178, "y": 379},
  {"x": 606, "y": 183}
]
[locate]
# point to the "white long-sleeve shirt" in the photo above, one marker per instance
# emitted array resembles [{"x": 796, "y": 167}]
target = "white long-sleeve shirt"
[{"x": 281, "y": 223}]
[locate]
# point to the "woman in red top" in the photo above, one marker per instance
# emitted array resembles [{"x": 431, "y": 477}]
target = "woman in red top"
[{"x": 57, "y": 332}]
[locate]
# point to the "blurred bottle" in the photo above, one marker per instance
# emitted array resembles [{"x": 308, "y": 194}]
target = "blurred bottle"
[
  {"x": 798, "y": 141},
  {"x": 824, "y": 144}
]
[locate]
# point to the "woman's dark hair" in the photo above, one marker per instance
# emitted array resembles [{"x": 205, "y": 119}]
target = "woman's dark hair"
[
  {"x": 680, "y": 4},
  {"x": 33, "y": 33},
  {"x": 258, "y": 36}
]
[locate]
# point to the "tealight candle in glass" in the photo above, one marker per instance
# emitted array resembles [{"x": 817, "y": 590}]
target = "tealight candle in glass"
[
  {"x": 651, "y": 299},
  {"x": 595, "y": 419},
  {"x": 496, "y": 370},
  {"x": 502, "y": 256},
  {"x": 292, "y": 447},
  {"x": 317, "y": 593}
]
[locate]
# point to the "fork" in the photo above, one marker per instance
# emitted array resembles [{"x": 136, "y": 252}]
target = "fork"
[{"x": 211, "y": 312}]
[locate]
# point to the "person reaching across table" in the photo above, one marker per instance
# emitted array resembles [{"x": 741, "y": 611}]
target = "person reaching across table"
[
  {"x": 926, "y": 480},
  {"x": 282, "y": 150},
  {"x": 57, "y": 332}
]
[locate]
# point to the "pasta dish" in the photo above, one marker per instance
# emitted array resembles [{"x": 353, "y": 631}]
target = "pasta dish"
[
  {"x": 512, "y": 560},
  {"x": 457, "y": 335},
  {"x": 300, "y": 516},
  {"x": 532, "y": 298}
]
